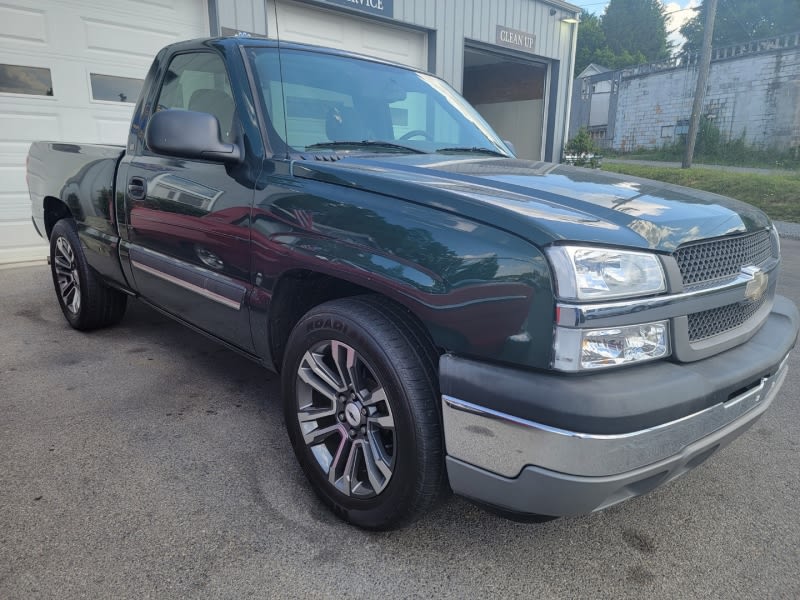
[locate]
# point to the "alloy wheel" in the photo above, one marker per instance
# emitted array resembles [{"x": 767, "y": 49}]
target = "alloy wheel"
[
  {"x": 346, "y": 419},
  {"x": 69, "y": 286}
]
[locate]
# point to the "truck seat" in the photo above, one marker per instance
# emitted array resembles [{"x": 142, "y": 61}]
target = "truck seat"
[{"x": 219, "y": 104}]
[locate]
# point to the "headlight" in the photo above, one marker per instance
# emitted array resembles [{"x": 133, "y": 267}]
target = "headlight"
[
  {"x": 587, "y": 273},
  {"x": 583, "y": 349}
]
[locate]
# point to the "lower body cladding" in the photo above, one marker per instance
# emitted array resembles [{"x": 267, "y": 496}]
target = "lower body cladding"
[{"x": 606, "y": 437}]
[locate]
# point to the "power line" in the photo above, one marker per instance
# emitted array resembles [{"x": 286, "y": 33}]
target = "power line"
[{"x": 672, "y": 12}]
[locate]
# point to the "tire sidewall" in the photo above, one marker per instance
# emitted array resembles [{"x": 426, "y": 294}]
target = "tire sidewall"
[
  {"x": 65, "y": 228},
  {"x": 399, "y": 492}
]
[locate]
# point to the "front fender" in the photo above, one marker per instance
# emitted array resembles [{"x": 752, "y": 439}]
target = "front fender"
[{"x": 479, "y": 290}]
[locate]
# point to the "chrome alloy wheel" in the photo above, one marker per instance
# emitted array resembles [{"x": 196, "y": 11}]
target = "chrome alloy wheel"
[
  {"x": 69, "y": 285},
  {"x": 346, "y": 419}
]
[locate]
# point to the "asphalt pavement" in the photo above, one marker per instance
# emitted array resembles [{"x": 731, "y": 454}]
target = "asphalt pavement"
[{"x": 144, "y": 461}]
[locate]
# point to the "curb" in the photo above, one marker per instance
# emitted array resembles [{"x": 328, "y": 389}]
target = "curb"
[{"x": 788, "y": 230}]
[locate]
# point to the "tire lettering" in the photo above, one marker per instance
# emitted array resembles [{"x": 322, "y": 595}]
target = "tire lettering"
[{"x": 326, "y": 324}]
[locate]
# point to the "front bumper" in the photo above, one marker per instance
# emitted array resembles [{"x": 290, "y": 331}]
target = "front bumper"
[{"x": 527, "y": 465}]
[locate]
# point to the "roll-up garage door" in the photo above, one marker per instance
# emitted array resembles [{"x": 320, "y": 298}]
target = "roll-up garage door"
[
  {"x": 71, "y": 70},
  {"x": 347, "y": 31}
]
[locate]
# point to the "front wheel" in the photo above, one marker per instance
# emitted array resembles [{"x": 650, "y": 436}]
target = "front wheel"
[
  {"x": 360, "y": 403},
  {"x": 87, "y": 303}
]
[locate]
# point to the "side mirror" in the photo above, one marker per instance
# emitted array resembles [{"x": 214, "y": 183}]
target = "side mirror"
[
  {"x": 189, "y": 134},
  {"x": 510, "y": 146}
]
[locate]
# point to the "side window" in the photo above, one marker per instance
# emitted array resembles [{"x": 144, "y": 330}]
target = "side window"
[{"x": 199, "y": 82}]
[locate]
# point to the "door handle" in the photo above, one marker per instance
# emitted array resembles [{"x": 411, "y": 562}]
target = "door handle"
[{"x": 137, "y": 188}]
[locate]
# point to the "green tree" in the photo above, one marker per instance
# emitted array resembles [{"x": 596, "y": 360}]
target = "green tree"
[
  {"x": 631, "y": 32},
  {"x": 591, "y": 41},
  {"x": 637, "y": 26},
  {"x": 582, "y": 143},
  {"x": 742, "y": 21}
]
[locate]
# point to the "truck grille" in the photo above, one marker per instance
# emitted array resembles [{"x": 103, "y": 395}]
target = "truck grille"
[
  {"x": 709, "y": 262},
  {"x": 708, "y": 323}
]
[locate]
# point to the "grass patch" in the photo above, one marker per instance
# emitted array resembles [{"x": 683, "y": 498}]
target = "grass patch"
[
  {"x": 776, "y": 195},
  {"x": 715, "y": 148},
  {"x": 758, "y": 159}
]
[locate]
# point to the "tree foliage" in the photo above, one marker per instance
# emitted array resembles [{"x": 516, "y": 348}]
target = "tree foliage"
[
  {"x": 591, "y": 40},
  {"x": 742, "y": 21},
  {"x": 637, "y": 26},
  {"x": 630, "y": 32},
  {"x": 581, "y": 150}
]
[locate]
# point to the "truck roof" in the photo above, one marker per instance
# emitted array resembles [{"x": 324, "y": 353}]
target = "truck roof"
[{"x": 262, "y": 42}]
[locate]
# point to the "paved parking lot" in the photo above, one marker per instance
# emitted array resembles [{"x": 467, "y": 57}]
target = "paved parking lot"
[{"x": 144, "y": 461}]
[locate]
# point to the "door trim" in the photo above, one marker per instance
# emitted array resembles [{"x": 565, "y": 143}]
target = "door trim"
[{"x": 208, "y": 284}]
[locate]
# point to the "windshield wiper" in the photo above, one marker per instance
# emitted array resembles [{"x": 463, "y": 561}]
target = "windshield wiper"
[
  {"x": 472, "y": 150},
  {"x": 364, "y": 143}
]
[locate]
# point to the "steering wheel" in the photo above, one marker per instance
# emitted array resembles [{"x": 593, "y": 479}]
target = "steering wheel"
[{"x": 415, "y": 133}]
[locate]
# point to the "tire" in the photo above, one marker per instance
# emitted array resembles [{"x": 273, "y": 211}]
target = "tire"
[
  {"x": 87, "y": 303},
  {"x": 360, "y": 400}
]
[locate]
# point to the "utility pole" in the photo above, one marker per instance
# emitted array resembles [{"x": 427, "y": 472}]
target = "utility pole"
[{"x": 702, "y": 79}]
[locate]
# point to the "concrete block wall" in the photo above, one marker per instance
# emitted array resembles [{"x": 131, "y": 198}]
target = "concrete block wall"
[{"x": 756, "y": 96}]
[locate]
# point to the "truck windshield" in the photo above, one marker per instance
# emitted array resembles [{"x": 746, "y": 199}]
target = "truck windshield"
[{"x": 346, "y": 104}]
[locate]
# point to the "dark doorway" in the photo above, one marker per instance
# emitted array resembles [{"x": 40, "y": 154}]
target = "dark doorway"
[{"x": 509, "y": 93}]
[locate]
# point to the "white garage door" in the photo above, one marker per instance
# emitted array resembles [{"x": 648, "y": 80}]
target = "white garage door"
[
  {"x": 70, "y": 70},
  {"x": 347, "y": 31}
]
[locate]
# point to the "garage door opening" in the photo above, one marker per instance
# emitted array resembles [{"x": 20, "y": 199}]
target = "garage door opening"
[{"x": 509, "y": 94}]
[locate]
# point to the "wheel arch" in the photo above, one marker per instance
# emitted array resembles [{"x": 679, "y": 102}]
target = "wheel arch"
[
  {"x": 55, "y": 209},
  {"x": 299, "y": 290}
]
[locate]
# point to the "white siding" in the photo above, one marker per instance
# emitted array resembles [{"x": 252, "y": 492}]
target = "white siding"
[
  {"x": 74, "y": 38},
  {"x": 300, "y": 22}
]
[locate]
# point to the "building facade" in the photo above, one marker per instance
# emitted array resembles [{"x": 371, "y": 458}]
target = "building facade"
[
  {"x": 71, "y": 70},
  {"x": 753, "y": 94}
]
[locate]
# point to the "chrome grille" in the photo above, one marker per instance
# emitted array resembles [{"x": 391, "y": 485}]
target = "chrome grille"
[
  {"x": 708, "y": 323},
  {"x": 721, "y": 259}
]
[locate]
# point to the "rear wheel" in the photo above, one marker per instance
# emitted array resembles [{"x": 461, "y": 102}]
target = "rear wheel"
[
  {"x": 87, "y": 303},
  {"x": 360, "y": 402}
]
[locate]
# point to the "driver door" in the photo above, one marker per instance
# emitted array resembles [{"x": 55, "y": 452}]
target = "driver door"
[{"x": 188, "y": 220}]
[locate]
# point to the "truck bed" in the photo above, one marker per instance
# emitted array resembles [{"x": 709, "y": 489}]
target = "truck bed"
[
  {"x": 71, "y": 173},
  {"x": 82, "y": 177}
]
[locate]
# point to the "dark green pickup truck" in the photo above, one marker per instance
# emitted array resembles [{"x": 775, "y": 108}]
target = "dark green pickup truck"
[{"x": 542, "y": 339}]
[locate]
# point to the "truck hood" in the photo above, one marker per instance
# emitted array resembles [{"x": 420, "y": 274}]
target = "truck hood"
[{"x": 544, "y": 202}]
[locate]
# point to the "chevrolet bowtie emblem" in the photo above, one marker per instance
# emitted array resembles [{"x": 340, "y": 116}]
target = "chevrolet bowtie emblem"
[{"x": 756, "y": 287}]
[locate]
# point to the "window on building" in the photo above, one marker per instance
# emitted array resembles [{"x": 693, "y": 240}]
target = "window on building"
[
  {"x": 18, "y": 79},
  {"x": 598, "y": 133},
  {"x": 666, "y": 131},
  {"x": 115, "y": 89}
]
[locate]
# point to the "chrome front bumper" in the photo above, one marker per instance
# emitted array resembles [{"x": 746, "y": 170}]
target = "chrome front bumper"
[
  {"x": 526, "y": 467},
  {"x": 505, "y": 444}
]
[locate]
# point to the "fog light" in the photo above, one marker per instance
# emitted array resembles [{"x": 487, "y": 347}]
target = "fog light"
[{"x": 579, "y": 349}]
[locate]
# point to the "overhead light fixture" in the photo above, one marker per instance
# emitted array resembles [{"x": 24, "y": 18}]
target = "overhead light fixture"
[{"x": 570, "y": 20}]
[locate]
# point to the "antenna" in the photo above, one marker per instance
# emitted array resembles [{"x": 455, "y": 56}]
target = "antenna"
[{"x": 280, "y": 72}]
